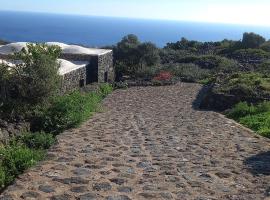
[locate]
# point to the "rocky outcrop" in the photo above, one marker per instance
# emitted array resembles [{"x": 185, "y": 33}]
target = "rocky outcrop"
[
  {"x": 219, "y": 101},
  {"x": 9, "y": 130}
]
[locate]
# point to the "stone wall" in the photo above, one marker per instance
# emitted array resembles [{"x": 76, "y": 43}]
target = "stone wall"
[
  {"x": 105, "y": 64},
  {"x": 76, "y": 57},
  {"x": 74, "y": 80},
  {"x": 6, "y": 57}
]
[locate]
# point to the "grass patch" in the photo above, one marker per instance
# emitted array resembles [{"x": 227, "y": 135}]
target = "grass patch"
[
  {"x": 15, "y": 160},
  {"x": 255, "y": 117},
  {"x": 70, "y": 110},
  {"x": 39, "y": 140}
]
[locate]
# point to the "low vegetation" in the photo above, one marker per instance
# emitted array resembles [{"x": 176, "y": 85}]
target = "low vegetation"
[
  {"x": 30, "y": 91},
  {"x": 62, "y": 113},
  {"x": 66, "y": 112},
  {"x": 30, "y": 83},
  {"x": 250, "y": 85},
  {"x": 256, "y": 117},
  {"x": 21, "y": 153}
]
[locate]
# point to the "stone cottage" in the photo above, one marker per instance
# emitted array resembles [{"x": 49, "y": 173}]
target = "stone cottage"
[{"x": 79, "y": 66}]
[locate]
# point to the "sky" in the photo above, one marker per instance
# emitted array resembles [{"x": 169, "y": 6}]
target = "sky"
[{"x": 251, "y": 12}]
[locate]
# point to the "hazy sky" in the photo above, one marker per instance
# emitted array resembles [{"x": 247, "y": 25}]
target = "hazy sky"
[{"x": 255, "y": 12}]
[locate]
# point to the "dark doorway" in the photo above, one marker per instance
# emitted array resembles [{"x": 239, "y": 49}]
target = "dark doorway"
[
  {"x": 106, "y": 77},
  {"x": 92, "y": 71},
  {"x": 82, "y": 83}
]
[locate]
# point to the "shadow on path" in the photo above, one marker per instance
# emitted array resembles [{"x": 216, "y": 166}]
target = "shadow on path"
[
  {"x": 196, "y": 104},
  {"x": 259, "y": 164}
]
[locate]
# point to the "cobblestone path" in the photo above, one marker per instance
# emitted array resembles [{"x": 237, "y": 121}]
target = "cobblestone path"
[{"x": 150, "y": 143}]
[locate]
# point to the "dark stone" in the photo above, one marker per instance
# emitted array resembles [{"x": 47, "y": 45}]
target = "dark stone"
[
  {"x": 120, "y": 197},
  {"x": 64, "y": 159},
  {"x": 79, "y": 189},
  {"x": 223, "y": 175},
  {"x": 94, "y": 166},
  {"x": 62, "y": 197},
  {"x": 125, "y": 189},
  {"x": 102, "y": 186},
  {"x": 30, "y": 194},
  {"x": 88, "y": 196},
  {"x": 78, "y": 165},
  {"x": 81, "y": 171},
  {"x": 143, "y": 164},
  {"x": 75, "y": 180},
  {"x": 149, "y": 195},
  {"x": 46, "y": 188},
  {"x": 118, "y": 181}
]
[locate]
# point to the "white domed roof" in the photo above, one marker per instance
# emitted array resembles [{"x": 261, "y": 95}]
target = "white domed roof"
[
  {"x": 12, "y": 47},
  {"x": 61, "y": 45},
  {"x": 66, "y": 49},
  {"x": 68, "y": 66}
]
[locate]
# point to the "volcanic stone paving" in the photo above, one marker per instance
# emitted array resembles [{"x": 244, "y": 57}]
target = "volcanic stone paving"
[{"x": 151, "y": 143}]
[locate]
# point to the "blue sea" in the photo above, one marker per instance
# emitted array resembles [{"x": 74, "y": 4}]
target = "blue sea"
[{"x": 101, "y": 31}]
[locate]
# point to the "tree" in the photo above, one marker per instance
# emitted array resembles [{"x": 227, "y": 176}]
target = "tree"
[
  {"x": 131, "y": 55},
  {"x": 149, "y": 54},
  {"x": 252, "y": 40},
  {"x": 265, "y": 46},
  {"x": 33, "y": 80},
  {"x": 185, "y": 44},
  {"x": 127, "y": 50}
]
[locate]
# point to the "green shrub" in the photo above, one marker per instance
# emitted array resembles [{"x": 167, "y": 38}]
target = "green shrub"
[
  {"x": 242, "y": 109},
  {"x": 105, "y": 89},
  {"x": 3, "y": 178},
  {"x": 30, "y": 83},
  {"x": 208, "y": 61},
  {"x": 250, "y": 54},
  {"x": 265, "y": 46},
  {"x": 19, "y": 158},
  {"x": 16, "y": 159},
  {"x": 259, "y": 123},
  {"x": 39, "y": 140},
  {"x": 67, "y": 111},
  {"x": 249, "y": 85},
  {"x": 263, "y": 68},
  {"x": 121, "y": 85},
  {"x": 263, "y": 107},
  {"x": 207, "y": 81},
  {"x": 146, "y": 72},
  {"x": 187, "y": 71},
  {"x": 256, "y": 117}
]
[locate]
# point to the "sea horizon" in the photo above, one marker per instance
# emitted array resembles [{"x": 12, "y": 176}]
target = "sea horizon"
[{"x": 98, "y": 31}]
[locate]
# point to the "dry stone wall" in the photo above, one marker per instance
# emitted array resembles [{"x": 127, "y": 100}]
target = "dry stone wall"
[
  {"x": 73, "y": 80},
  {"x": 105, "y": 64}
]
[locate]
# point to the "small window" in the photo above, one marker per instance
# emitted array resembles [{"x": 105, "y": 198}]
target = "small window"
[{"x": 82, "y": 83}]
